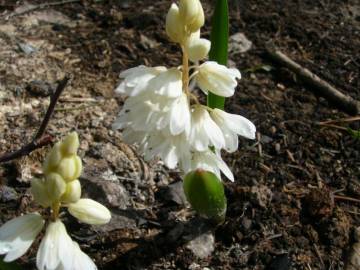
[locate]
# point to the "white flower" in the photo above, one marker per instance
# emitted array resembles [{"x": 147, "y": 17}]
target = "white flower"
[
  {"x": 56, "y": 250},
  {"x": 209, "y": 161},
  {"x": 197, "y": 48},
  {"x": 81, "y": 260},
  {"x": 217, "y": 79},
  {"x": 136, "y": 79},
  {"x": 90, "y": 212},
  {"x": 17, "y": 235},
  {"x": 131, "y": 136},
  {"x": 144, "y": 112},
  {"x": 204, "y": 131},
  {"x": 171, "y": 149},
  {"x": 167, "y": 83},
  {"x": 180, "y": 116},
  {"x": 150, "y": 112},
  {"x": 231, "y": 126}
]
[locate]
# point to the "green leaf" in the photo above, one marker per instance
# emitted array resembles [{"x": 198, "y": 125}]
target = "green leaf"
[
  {"x": 219, "y": 45},
  {"x": 8, "y": 266},
  {"x": 354, "y": 133},
  {"x": 205, "y": 192}
]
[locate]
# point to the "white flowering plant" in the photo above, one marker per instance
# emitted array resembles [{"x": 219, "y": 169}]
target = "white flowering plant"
[
  {"x": 58, "y": 188},
  {"x": 163, "y": 115}
]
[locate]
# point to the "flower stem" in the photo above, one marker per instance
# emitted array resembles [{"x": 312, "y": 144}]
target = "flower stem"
[
  {"x": 55, "y": 210},
  {"x": 185, "y": 71}
]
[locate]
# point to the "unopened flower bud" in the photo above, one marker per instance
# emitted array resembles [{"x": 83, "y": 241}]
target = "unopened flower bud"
[
  {"x": 192, "y": 14},
  {"x": 72, "y": 193},
  {"x": 90, "y": 212},
  {"x": 70, "y": 144},
  {"x": 174, "y": 26},
  {"x": 53, "y": 159},
  {"x": 38, "y": 190},
  {"x": 205, "y": 192},
  {"x": 78, "y": 167},
  {"x": 55, "y": 186},
  {"x": 198, "y": 49},
  {"x": 69, "y": 168}
]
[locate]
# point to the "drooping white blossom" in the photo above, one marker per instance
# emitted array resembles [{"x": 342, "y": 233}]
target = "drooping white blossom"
[
  {"x": 81, "y": 260},
  {"x": 136, "y": 79},
  {"x": 167, "y": 83},
  {"x": 148, "y": 113},
  {"x": 217, "y": 79},
  {"x": 231, "y": 126},
  {"x": 204, "y": 131},
  {"x": 198, "y": 49},
  {"x": 180, "y": 116},
  {"x": 17, "y": 235},
  {"x": 56, "y": 248},
  {"x": 210, "y": 161},
  {"x": 172, "y": 149}
]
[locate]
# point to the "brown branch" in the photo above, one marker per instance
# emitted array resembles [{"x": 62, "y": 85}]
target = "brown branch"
[
  {"x": 54, "y": 98},
  {"x": 39, "y": 140},
  {"x": 324, "y": 89}
]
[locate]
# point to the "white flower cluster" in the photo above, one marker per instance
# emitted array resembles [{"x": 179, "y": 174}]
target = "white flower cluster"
[
  {"x": 59, "y": 188},
  {"x": 165, "y": 118}
]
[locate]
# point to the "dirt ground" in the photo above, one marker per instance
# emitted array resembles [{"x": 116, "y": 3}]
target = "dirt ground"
[{"x": 295, "y": 201}]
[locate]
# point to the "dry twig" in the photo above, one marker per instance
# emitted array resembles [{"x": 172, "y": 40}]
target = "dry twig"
[
  {"x": 341, "y": 120},
  {"x": 39, "y": 140},
  {"x": 345, "y": 198},
  {"x": 322, "y": 88},
  {"x": 332, "y": 126}
]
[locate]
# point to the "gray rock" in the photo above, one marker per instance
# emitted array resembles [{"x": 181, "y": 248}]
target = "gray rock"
[
  {"x": 8, "y": 194},
  {"x": 238, "y": 43},
  {"x": 203, "y": 245}
]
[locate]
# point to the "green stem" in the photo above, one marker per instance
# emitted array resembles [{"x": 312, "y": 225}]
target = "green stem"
[
  {"x": 55, "y": 208},
  {"x": 219, "y": 45}
]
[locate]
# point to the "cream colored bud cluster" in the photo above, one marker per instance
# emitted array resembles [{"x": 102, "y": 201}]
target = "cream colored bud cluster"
[
  {"x": 61, "y": 168},
  {"x": 183, "y": 25}
]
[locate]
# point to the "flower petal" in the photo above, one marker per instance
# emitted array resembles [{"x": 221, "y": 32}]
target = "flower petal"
[
  {"x": 167, "y": 83},
  {"x": 82, "y": 261},
  {"x": 180, "y": 116},
  {"x": 217, "y": 79},
  {"x": 17, "y": 235},
  {"x": 198, "y": 48},
  {"x": 90, "y": 212},
  {"x": 136, "y": 79},
  {"x": 209, "y": 161},
  {"x": 204, "y": 131},
  {"x": 236, "y": 123},
  {"x": 56, "y": 248},
  {"x": 224, "y": 168}
]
